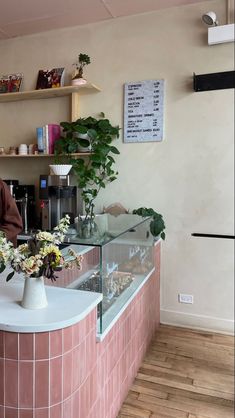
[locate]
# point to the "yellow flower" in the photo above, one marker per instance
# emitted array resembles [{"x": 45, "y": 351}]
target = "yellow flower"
[{"x": 53, "y": 252}]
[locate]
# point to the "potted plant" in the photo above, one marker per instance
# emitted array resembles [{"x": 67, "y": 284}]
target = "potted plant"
[
  {"x": 157, "y": 224},
  {"x": 95, "y": 171},
  {"x": 82, "y": 61}
]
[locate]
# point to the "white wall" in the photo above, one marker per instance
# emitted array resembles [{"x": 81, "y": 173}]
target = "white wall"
[{"x": 188, "y": 177}]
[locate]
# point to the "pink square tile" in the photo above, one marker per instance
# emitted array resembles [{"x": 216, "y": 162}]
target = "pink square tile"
[
  {"x": 1, "y": 412},
  {"x": 55, "y": 380},
  {"x": 42, "y": 384},
  {"x": 42, "y": 413},
  {"x": 56, "y": 411},
  {"x": 26, "y": 346},
  {"x": 67, "y": 374},
  {"x": 25, "y": 384},
  {"x": 11, "y": 413},
  {"x": 76, "y": 407},
  {"x": 79, "y": 365},
  {"x": 94, "y": 386},
  {"x": 11, "y": 383},
  {"x": 67, "y": 339},
  {"x": 56, "y": 343},
  {"x": 1, "y": 381},
  {"x": 67, "y": 408},
  {"x": 42, "y": 345},
  {"x": 1, "y": 344},
  {"x": 26, "y": 413},
  {"x": 11, "y": 345}
]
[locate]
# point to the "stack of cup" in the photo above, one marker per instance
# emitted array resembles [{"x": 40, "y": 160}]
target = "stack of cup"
[{"x": 23, "y": 149}]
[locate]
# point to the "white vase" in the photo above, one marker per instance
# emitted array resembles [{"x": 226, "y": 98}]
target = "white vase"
[{"x": 34, "y": 296}]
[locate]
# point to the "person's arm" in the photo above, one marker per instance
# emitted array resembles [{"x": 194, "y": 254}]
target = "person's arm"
[{"x": 10, "y": 219}]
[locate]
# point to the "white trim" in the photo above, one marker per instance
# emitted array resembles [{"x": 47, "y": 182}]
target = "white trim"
[{"x": 201, "y": 322}]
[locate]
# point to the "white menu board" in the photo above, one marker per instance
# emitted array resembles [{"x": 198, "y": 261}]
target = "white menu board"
[{"x": 143, "y": 111}]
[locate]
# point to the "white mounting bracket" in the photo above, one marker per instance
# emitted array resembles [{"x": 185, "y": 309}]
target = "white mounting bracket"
[{"x": 221, "y": 34}]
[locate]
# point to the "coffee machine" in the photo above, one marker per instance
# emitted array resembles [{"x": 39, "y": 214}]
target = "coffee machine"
[
  {"x": 58, "y": 196},
  {"x": 24, "y": 196}
]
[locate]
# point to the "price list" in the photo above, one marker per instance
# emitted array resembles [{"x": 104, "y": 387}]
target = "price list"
[{"x": 143, "y": 111}]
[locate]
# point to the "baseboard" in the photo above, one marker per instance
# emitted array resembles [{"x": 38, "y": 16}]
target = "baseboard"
[{"x": 200, "y": 322}]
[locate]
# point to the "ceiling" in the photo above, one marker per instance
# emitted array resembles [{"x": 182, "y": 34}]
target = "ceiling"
[{"x": 25, "y": 17}]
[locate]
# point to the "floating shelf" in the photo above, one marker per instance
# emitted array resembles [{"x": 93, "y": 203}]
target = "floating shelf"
[
  {"x": 80, "y": 154},
  {"x": 48, "y": 93}
]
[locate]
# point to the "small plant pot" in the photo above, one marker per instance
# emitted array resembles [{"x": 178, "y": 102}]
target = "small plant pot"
[
  {"x": 80, "y": 148},
  {"x": 78, "y": 81}
]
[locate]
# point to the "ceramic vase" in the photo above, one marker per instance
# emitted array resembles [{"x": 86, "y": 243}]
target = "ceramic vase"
[
  {"x": 78, "y": 81},
  {"x": 34, "y": 296}
]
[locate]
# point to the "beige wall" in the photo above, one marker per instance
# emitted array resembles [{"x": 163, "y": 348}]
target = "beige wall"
[{"x": 188, "y": 177}]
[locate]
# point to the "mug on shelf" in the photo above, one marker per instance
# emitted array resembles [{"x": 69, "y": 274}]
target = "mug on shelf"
[{"x": 23, "y": 149}]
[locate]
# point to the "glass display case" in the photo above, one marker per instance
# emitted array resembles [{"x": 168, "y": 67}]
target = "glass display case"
[{"x": 116, "y": 262}]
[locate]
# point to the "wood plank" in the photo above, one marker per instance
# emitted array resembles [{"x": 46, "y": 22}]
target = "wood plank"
[
  {"x": 49, "y": 93},
  {"x": 142, "y": 389},
  {"x": 169, "y": 412},
  {"x": 155, "y": 387},
  {"x": 190, "y": 388},
  {"x": 185, "y": 374},
  {"x": 189, "y": 405}
]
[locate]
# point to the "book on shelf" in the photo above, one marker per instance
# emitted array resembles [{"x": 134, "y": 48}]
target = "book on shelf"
[
  {"x": 50, "y": 78},
  {"x": 47, "y": 135}
]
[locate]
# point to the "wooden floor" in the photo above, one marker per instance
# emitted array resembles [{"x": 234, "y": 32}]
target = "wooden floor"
[{"x": 185, "y": 374}]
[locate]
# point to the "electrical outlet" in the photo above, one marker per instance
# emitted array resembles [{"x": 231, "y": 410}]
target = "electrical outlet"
[{"x": 185, "y": 298}]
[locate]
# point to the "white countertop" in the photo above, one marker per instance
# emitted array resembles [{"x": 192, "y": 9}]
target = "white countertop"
[{"x": 65, "y": 307}]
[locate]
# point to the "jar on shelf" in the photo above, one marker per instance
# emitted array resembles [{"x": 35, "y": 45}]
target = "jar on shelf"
[{"x": 12, "y": 151}]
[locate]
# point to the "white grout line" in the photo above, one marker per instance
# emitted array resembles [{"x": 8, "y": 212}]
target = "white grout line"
[
  {"x": 49, "y": 380},
  {"x": 18, "y": 371},
  {"x": 62, "y": 400},
  {"x": 34, "y": 375}
]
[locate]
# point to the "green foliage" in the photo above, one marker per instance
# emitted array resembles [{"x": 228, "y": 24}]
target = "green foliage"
[
  {"x": 157, "y": 224},
  {"x": 96, "y": 170}
]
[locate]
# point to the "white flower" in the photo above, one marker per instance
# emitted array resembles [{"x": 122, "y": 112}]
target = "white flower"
[
  {"x": 45, "y": 236},
  {"x": 31, "y": 265}
]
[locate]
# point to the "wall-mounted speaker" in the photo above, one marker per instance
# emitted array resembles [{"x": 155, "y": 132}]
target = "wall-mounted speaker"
[{"x": 214, "y": 81}]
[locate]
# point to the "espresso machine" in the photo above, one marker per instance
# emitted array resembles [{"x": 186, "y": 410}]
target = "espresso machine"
[
  {"x": 58, "y": 196},
  {"x": 24, "y": 196}
]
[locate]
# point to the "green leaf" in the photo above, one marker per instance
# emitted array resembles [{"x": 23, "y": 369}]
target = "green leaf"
[
  {"x": 114, "y": 150},
  {"x": 83, "y": 142},
  {"x": 81, "y": 129},
  {"x": 2, "y": 267},
  {"x": 10, "y": 275},
  {"x": 163, "y": 235}
]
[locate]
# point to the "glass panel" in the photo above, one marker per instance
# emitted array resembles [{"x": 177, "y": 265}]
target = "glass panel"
[
  {"x": 109, "y": 227},
  {"x": 116, "y": 266},
  {"x": 126, "y": 263}
]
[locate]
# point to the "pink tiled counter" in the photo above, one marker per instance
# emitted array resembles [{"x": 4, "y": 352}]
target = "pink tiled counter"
[{"x": 68, "y": 374}]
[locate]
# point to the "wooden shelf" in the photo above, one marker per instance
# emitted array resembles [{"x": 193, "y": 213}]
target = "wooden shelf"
[
  {"x": 48, "y": 93},
  {"x": 80, "y": 154}
]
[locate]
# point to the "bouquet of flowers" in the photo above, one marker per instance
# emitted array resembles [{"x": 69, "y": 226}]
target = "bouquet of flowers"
[{"x": 41, "y": 255}]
